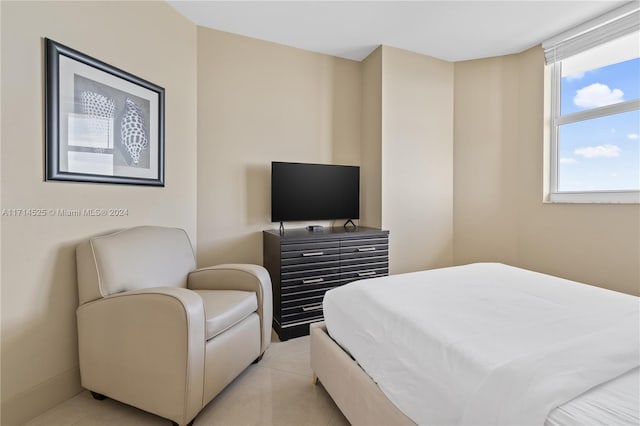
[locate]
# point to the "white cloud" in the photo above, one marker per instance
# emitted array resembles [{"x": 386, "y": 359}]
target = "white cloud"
[
  {"x": 598, "y": 151},
  {"x": 632, "y": 136},
  {"x": 597, "y": 95},
  {"x": 576, "y": 76},
  {"x": 568, "y": 161}
]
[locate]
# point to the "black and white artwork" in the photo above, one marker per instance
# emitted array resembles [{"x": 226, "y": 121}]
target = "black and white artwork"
[{"x": 103, "y": 124}]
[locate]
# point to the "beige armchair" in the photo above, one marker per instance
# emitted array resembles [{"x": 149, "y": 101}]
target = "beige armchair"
[{"x": 157, "y": 333}]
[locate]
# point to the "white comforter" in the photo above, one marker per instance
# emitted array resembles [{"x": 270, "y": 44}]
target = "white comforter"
[{"x": 484, "y": 343}]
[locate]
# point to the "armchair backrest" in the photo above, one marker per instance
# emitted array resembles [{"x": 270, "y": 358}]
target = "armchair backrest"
[{"x": 133, "y": 259}]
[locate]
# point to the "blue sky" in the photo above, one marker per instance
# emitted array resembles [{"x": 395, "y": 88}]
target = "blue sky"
[{"x": 604, "y": 153}]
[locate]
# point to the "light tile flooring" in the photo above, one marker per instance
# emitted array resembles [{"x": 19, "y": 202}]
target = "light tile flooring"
[{"x": 276, "y": 391}]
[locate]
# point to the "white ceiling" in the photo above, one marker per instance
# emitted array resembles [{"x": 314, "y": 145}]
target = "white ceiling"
[{"x": 450, "y": 30}]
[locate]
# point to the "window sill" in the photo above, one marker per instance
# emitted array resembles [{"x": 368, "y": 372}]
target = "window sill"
[{"x": 595, "y": 197}]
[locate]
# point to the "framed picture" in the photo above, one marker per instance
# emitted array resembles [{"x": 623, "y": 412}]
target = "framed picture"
[{"x": 103, "y": 124}]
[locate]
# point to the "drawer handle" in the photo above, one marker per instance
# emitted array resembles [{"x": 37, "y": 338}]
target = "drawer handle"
[
  {"x": 313, "y": 281},
  {"x": 311, "y": 308},
  {"x": 366, "y": 249},
  {"x": 366, "y": 274},
  {"x": 315, "y": 253}
]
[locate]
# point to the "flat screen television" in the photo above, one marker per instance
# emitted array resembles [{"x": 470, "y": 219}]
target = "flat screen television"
[{"x": 302, "y": 192}]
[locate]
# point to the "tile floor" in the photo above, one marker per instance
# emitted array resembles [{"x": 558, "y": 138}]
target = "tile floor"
[{"x": 276, "y": 391}]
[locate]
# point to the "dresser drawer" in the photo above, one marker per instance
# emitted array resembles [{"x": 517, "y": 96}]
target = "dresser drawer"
[
  {"x": 291, "y": 278},
  {"x": 296, "y": 304},
  {"x": 363, "y": 245},
  {"x": 309, "y": 312},
  {"x": 378, "y": 253},
  {"x": 365, "y": 266},
  {"x": 309, "y": 250},
  {"x": 305, "y": 293},
  {"x": 306, "y": 284},
  {"x": 355, "y": 260},
  {"x": 371, "y": 271},
  {"x": 320, "y": 262}
]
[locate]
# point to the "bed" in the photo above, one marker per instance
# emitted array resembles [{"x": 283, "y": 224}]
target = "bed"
[{"x": 479, "y": 344}]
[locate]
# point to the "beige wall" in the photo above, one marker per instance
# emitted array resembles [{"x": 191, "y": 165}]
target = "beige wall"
[
  {"x": 417, "y": 160},
  {"x": 371, "y": 142},
  {"x": 486, "y": 160},
  {"x": 498, "y": 173},
  {"x": 39, "y": 295},
  {"x": 260, "y": 102}
]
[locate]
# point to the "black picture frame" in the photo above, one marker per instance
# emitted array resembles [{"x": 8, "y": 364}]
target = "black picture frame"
[{"x": 102, "y": 124}]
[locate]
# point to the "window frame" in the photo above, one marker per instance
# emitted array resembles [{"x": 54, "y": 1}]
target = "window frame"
[{"x": 557, "y": 120}]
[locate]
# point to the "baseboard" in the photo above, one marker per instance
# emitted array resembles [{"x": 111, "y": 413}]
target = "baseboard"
[{"x": 35, "y": 401}]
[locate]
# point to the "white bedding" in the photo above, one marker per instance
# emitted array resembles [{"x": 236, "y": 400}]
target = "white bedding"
[
  {"x": 487, "y": 343},
  {"x": 616, "y": 402}
]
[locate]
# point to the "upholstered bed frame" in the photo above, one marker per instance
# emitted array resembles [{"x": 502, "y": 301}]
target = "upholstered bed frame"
[{"x": 356, "y": 394}]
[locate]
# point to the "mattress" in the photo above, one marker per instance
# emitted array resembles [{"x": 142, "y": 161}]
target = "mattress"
[{"x": 492, "y": 344}]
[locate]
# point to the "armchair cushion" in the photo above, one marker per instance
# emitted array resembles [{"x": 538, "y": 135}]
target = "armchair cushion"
[
  {"x": 241, "y": 277},
  {"x": 225, "y": 308}
]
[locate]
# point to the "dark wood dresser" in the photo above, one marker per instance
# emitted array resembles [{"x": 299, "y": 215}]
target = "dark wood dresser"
[{"x": 305, "y": 264}]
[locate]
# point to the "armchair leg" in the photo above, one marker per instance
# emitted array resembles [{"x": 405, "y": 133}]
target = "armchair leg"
[
  {"x": 98, "y": 396},
  {"x": 257, "y": 360}
]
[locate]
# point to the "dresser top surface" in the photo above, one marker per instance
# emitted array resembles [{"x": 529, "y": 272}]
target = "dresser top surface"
[{"x": 328, "y": 231}]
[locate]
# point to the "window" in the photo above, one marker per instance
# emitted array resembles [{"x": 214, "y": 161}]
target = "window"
[{"x": 595, "y": 110}]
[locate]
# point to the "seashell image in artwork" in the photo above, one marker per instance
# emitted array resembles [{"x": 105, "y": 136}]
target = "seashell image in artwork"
[
  {"x": 133, "y": 131},
  {"x": 99, "y": 108}
]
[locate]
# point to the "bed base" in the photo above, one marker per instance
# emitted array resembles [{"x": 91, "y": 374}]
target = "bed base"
[{"x": 354, "y": 392}]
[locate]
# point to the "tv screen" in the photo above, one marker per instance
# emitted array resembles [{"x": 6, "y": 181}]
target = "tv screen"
[{"x": 301, "y": 191}]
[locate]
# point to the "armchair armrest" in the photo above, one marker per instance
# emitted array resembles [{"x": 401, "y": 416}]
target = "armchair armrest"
[
  {"x": 146, "y": 347},
  {"x": 237, "y": 276}
]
